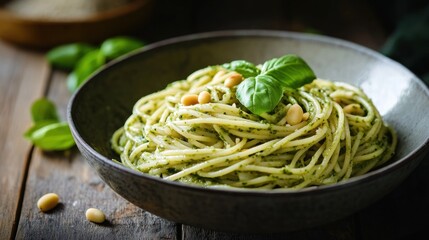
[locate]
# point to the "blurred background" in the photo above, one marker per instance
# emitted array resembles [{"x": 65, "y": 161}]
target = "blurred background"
[{"x": 397, "y": 28}]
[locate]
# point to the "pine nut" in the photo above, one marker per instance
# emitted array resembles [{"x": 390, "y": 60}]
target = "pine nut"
[
  {"x": 354, "y": 109},
  {"x": 305, "y": 116},
  {"x": 95, "y": 215},
  {"x": 204, "y": 97},
  {"x": 48, "y": 202},
  {"x": 233, "y": 80},
  {"x": 294, "y": 114},
  {"x": 189, "y": 99}
]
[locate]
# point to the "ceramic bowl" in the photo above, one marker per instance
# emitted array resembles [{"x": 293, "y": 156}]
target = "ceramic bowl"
[{"x": 104, "y": 102}]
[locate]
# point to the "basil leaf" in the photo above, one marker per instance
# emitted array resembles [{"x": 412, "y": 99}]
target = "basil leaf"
[
  {"x": 290, "y": 71},
  {"x": 36, "y": 127},
  {"x": 43, "y": 110},
  {"x": 73, "y": 82},
  {"x": 262, "y": 93},
  {"x": 56, "y": 136},
  {"x": 246, "y": 69},
  {"x": 259, "y": 94},
  {"x": 85, "y": 67},
  {"x": 67, "y": 56},
  {"x": 118, "y": 46}
]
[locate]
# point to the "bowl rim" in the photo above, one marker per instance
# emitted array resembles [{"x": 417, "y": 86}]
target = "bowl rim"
[{"x": 368, "y": 177}]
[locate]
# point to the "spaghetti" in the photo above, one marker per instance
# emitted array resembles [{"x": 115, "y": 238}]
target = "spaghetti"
[{"x": 220, "y": 143}]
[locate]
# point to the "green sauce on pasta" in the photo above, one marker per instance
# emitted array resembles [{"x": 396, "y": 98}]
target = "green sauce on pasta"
[{"x": 221, "y": 143}]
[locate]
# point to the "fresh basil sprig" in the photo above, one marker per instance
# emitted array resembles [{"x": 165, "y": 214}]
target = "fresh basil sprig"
[
  {"x": 48, "y": 132},
  {"x": 245, "y": 68},
  {"x": 262, "y": 90}
]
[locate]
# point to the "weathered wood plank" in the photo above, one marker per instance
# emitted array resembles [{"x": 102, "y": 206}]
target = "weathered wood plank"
[
  {"x": 23, "y": 76},
  {"x": 79, "y": 188}
]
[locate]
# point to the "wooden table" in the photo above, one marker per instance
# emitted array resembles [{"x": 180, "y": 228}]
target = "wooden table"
[{"x": 26, "y": 173}]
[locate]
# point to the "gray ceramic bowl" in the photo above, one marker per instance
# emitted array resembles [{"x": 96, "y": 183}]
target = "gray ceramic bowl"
[{"x": 105, "y": 101}]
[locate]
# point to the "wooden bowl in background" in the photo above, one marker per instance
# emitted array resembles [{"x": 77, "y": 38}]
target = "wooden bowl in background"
[{"x": 46, "y": 33}]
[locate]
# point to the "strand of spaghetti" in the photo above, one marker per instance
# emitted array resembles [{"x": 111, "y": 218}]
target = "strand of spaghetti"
[
  {"x": 217, "y": 160},
  {"x": 373, "y": 132},
  {"x": 137, "y": 150},
  {"x": 227, "y": 152},
  {"x": 117, "y": 135},
  {"x": 124, "y": 156},
  {"x": 348, "y": 150},
  {"x": 255, "y": 181},
  {"x": 232, "y": 123},
  {"x": 158, "y": 95},
  {"x": 224, "y": 136},
  {"x": 224, "y": 108},
  {"x": 199, "y": 73},
  {"x": 299, "y": 132},
  {"x": 301, "y": 153},
  {"x": 306, "y": 169},
  {"x": 188, "y": 135},
  {"x": 203, "y": 80},
  {"x": 371, "y": 155},
  {"x": 160, "y": 141},
  {"x": 369, "y": 165},
  {"x": 329, "y": 170},
  {"x": 226, "y": 170},
  {"x": 391, "y": 149},
  {"x": 335, "y": 141}
]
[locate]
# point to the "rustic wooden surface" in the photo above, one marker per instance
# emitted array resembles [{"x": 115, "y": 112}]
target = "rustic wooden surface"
[
  {"x": 26, "y": 173},
  {"x": 23, "y": 78}
]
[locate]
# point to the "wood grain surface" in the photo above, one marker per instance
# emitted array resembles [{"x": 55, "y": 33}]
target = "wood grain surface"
[
  {"x": 23, "y": 76},
  {"x": 79, "y": 188}
]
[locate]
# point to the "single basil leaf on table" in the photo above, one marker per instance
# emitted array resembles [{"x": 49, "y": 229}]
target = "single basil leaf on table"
[
  {"x": 290, "y": 71},
  {"x": 246, "y": 69},
  {"x": 68, "y": 55},
  {"x": 118, "y": 46},
  {"x": 43, "y": 110},
  {"x": 259, "y": 94},
  {"x": 85, "y": 67},
  {"x": 38, "y": 125},
  {"x": 56, "y": 136}
]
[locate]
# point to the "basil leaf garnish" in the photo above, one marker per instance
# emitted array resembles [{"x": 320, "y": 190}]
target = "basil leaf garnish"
[
  {"x": 262, "y": 93},
  {"x": 290, "y": 70},
  {"x": 246, "y": 69},
  {"x": 259, "y": 93}
]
